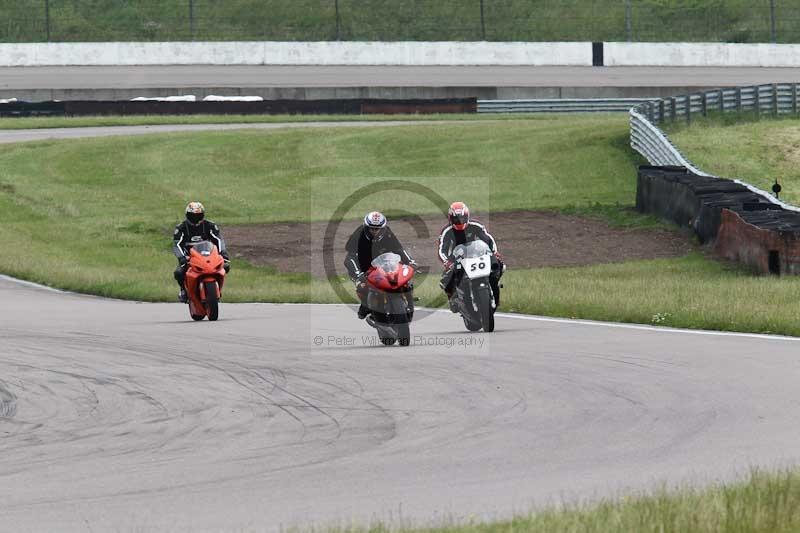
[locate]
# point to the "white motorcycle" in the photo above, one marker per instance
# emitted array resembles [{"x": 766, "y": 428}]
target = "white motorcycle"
[{"x": 473, "y": 295}]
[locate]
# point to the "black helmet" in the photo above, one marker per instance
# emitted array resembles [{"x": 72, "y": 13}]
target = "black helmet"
[{"x": 195, "y": 213}]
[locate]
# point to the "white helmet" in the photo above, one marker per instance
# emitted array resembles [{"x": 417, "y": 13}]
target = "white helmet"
[{"x": 375, "y": 223}]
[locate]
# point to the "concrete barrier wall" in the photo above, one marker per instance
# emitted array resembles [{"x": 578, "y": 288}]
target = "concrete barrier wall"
[
  {"x": 295, "y": 53},
  {"x": 398, "y": 53},
  {"x": 701, "y": 55}
]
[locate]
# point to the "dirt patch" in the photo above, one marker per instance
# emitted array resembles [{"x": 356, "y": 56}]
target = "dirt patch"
[{"x": 527, "y": 239}]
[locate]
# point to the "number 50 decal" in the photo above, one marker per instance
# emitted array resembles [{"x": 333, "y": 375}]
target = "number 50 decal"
[{"x": 477, "y": 266}]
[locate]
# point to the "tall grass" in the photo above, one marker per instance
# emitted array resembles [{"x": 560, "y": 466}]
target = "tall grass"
[{"x": 763, "y": 502}]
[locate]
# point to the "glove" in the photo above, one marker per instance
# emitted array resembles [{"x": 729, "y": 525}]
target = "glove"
[
  {"x": 449, "y": 263},
  {"x": 361, "y": 278},
  {"x": 498, "y": 256},
  {"x": 182, "y": 261},
  {"x": 413, "y": 264},
  {"x": 226, "y": 265}
]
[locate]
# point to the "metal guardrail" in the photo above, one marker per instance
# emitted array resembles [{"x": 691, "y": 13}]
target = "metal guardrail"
[
  {"x": 648, "y": 139},
  {"x": 560, "y": 105}
]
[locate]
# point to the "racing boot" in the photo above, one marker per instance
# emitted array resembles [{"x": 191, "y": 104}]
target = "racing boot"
[
  {"x": 182, "y": 298},
  {"x": 363, "y": 311}
]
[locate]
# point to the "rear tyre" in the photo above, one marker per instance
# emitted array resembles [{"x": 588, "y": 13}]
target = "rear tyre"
[
  {"x": 403, "y": 334},
  {"x": 485, "y": 310},
  {"x": 212, "y": 301}
]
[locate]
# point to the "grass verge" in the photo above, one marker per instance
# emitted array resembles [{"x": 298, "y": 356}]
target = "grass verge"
[{"x": 762, "y": 503}]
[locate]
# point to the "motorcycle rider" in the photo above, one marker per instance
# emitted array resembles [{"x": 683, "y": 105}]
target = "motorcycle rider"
[
  {"x": 366, "y": 243},
  {"x": 462, "y": 230},
  {"x": 193, "y": 229}
]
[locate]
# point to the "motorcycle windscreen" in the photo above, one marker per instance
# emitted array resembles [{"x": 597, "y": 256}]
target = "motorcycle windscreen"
[
  {"x": 204, "y": 248},
  {"x": 389, "y": 262},
  {"x": 470, "y": 250}
]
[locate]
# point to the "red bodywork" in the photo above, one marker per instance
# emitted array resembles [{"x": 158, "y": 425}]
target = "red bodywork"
[
  {"x": 395, "y": 280},
  {"x": 205, "y": 266}
]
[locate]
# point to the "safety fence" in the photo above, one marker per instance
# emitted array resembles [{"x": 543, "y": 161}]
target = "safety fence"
[
  {"x": 560, "y": 105},
  {"x": 398, "y": 20}
]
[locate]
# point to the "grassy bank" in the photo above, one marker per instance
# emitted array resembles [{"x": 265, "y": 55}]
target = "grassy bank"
[
  {"x": 755, "y": 151},
  {"x": 396, "y": 20},
  {"x": 760, "y": 504}
]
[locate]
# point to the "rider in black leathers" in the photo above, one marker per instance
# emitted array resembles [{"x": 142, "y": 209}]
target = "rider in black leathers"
[
  {"x": 193, "y": 229},
  {"x": 462, "y": 230},
  {"x": 365, "y": 244}
]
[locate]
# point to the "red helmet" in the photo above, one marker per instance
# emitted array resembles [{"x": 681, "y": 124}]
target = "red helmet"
[{"x": 458, "y": 215}]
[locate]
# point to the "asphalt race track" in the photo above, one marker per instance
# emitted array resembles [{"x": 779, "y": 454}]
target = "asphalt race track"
[
  {"x": 127, "y": 416},
  {"x": 179, "y": 77}
]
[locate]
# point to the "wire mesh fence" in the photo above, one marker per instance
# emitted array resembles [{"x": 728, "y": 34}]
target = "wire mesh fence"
[{"x": 398, "y": 20}]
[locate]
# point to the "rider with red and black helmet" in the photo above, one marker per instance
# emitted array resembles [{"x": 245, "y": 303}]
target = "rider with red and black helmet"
[
  {"x": 195, "y": 228},
  {"x": 366, "y": 243},
  {"x": 461, "y": 230}
]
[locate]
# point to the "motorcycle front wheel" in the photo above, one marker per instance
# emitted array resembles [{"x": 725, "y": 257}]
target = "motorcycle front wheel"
[
  {"x": 403, "y": 334},
  {"x": 212, "y": 301},
  {"x": 485, "y": 309}
]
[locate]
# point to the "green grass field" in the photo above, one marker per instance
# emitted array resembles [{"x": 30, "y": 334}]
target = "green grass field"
[{"x": 420, "y": 20}]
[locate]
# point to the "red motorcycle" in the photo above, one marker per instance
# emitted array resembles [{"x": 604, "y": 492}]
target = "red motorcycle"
[
  {"x": 204, "y": 279},
  {"x": 390, "y": 298}
]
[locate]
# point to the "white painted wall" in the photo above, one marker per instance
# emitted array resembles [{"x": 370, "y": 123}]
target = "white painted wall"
[
  {"x": 701, "y": 55},
  {"x": 398, "y": 53},
  {"x": 295, "y": 53}
]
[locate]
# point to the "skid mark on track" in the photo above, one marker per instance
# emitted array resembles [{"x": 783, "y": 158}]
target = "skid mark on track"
[
  {"x": 301, "y": 399},
  {"x": 8, "y": 402},
  {"x": 361, "y": 398}
]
